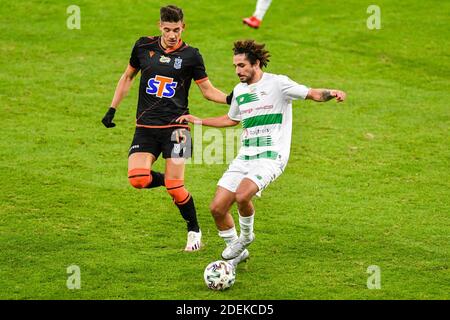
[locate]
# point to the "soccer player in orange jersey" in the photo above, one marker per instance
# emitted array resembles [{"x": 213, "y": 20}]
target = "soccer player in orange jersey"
[{"x": 167, "y": 65}]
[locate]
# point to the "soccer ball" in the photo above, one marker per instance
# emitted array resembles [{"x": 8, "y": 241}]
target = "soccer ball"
[{"x": 219, "y": 275}]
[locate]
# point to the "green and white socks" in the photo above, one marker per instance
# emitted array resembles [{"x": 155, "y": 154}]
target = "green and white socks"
[
  {"x": 246, "y": 224},
  {"x": 229, "y": 235}
]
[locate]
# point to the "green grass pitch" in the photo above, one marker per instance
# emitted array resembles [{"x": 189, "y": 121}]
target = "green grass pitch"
[{"x": 367, "y": 182}]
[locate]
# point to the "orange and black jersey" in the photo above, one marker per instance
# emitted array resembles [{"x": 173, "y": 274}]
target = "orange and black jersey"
[{"x": 166, "y": 77}]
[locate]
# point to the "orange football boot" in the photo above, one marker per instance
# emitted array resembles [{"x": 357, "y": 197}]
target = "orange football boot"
[{"x": 252, "y": 22}]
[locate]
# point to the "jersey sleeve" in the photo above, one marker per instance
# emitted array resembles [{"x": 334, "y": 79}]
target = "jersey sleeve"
[
  {"x": 199, "y": 72},
  {"x": 292, "y": 90},
  {"x": 134, "y": 59},
  {"x": 234, "y": 113}
]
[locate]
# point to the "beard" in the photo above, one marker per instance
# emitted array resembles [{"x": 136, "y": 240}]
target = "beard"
[{"x": 247, "y": 78}]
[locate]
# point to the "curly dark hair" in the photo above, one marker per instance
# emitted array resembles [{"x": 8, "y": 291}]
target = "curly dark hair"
[
  {"x": 253, "y": 51},
  {"x": 171, "y": 13}
]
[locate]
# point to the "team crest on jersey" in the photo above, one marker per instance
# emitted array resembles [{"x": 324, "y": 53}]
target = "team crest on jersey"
[
  {"x": 164, "y": 59},
  {"x": 177, "y": 64},
  {"x": 246, "y": 98},
  {"x": 162, "y": 87}
]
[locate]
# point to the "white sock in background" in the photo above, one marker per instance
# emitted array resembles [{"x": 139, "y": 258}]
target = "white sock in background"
[{"x": 261, "y": 8}]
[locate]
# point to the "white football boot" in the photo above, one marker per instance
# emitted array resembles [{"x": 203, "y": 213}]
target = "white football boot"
[
  {"x": 240, "y": 258},
  {"x": 194, "y": 241},
  {"x": 238, "y": 246}
]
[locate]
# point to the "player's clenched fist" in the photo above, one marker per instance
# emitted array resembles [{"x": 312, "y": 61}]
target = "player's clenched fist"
[
  {"x": 339, "y": 95},
  {"x": 108, "y": 118}
]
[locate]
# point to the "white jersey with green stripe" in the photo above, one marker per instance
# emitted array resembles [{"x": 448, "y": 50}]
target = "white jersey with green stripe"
[{"x": 265, "y": 110}]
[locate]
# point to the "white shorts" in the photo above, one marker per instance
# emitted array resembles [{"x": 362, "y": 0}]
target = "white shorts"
[{"x": 260, "y": 171}]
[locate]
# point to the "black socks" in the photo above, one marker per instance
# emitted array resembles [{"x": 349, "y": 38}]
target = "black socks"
[
  {"x": 189, "y": 214},
  {"x": 157, "y": 180}
]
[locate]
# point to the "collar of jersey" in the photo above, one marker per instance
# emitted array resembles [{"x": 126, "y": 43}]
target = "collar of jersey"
[{"x": 177, "y": 46}]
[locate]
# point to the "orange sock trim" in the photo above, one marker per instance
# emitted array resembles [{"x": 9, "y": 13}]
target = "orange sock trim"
[
  {"x": 176, "y": 189},
  {"x": 139, "y": 178},
  {"x": 185, "y": 201}
]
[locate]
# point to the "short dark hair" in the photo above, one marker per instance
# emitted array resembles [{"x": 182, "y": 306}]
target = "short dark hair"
[
  {"x": 253, "y": 51},
  {"x": 171, "y": 13}
]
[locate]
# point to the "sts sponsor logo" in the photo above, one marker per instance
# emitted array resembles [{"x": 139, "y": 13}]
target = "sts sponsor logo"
[{"x": 161, "y": 87}]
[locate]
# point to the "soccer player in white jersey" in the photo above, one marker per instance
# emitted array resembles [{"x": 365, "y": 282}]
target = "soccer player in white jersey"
[{"x": 262, "y": 102}]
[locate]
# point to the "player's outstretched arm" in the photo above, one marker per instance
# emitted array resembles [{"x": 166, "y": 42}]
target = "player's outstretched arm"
[
  {"x": 212, "y": 93},
  {"x": 323, "y": 95},
  {"x": 218, "y": 122},
  {"x": 123, "y": 86}
]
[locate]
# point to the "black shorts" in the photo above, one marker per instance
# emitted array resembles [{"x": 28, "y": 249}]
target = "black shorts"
[{"x": 172, "y": 142}]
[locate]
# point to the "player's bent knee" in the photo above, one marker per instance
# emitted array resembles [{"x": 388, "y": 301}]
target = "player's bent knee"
[
  {"x": 243, "y": 197},
  {"x": 176, "y": 189},
  {"x": 217, "y": 210},
  {"x": 140, "y": 178}
]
